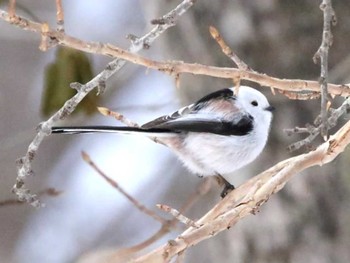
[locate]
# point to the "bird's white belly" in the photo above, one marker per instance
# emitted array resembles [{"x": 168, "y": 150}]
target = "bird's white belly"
[{"x": 208, "y": 154}]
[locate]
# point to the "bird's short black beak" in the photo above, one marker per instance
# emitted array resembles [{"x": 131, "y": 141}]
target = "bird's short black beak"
[{"x": 270, "y": 108}]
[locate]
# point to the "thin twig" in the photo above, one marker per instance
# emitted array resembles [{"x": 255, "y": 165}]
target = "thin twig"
[
  {"x": 49, "y": 192},
  {"x": 307, "y": 129},
  {"x": 113, "y": 183},
  {"x": 118, "y": 116},
  {"x": 322, "y": 55},
  {"x": 24, "y": 164},
  {"x": 44, "y": 43},
  {"x": 332, "y": 121},
  {"x": 201, "y": 190},
  {"x": 227, "y": 50},
  {"x": 171, "y": 18},
  {"x": 12, "y": 8},
  {"x": 59, "y": 16},
  {"x": 125, "y": 254},
  {"x": 179, "y": 216}
]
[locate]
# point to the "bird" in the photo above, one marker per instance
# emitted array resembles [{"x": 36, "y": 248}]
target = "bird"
[{"x": 215, "y": 136}]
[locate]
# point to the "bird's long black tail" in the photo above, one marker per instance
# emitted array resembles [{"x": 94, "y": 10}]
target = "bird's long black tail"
[{"x": 108, "y": 129}]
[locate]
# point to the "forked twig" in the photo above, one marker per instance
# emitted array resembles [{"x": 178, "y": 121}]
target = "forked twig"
[
  {"x": 314, "y": 131},
  {"x": 321, "y": 55},
  {"x": 113, "y": 183},
  {"x": 127, "y": 253}
]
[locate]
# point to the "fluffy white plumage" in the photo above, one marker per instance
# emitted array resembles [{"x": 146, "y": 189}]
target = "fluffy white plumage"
[{"x": 208, "y": 154}]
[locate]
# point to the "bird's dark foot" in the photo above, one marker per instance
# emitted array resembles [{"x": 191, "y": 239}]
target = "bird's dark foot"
[
  {"x": 227, "y": 189},
  {"x": 227, "y": 186}
]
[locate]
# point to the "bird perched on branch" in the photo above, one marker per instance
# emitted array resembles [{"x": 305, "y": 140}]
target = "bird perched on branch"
[{"x": 215, "y": 136}]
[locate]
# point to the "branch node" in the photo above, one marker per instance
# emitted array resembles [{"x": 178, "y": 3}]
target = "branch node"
[
  {"x": 132, "y": 38},
  {"x": 317, "y": 56},
  {"x": 139, "y": 42},
  {"x": 24, "y": 195},
  {"x": 172, "y": 242},
  {"x": 177, "y": 81},
  {"x": 44, "y": 128},
  {"x": 44, "y": 44},
  {"x": 101, "y": 87},
  {"x": 76, "y": 85},
  {"x": 163, "y": 21}
]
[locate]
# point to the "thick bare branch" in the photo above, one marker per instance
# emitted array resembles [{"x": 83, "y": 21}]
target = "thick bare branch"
[
  {"x": 246, "y": 199},
  {"x": 178, "y": 67}
]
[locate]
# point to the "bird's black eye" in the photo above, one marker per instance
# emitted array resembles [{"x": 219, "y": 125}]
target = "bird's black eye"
[{"x": 254, "y": 103}]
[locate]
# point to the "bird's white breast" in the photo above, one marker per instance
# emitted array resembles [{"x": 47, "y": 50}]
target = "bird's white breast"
[{"x": 209, "y": 154}]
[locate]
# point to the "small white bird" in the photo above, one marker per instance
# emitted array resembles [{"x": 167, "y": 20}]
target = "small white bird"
[{"x": 217, "y": 135}]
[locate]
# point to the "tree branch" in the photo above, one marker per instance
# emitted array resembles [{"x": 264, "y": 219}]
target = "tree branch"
[
  {"x": 24, "y": 164},
  {"x": 49, "y": 192},
  {"x": 59, "y": 16},
  {"x": 113, "y": 183},
  {"x": 314, "y": 131},
  {"x": 118, "y": 116},
  {"x": 178, "y": 215},
  {"x": 227, "y": 50},
  {"x": 177, "y": 67},
  {"x": 12, "y": 8},
  {"x": 247, "y": 198},
  {"x": 322, "y": 55}
]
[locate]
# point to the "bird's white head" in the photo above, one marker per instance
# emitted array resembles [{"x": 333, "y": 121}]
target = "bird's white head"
[{"x": 256, "y": 104}]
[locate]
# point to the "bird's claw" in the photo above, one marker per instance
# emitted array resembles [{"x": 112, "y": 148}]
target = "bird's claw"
[{"x": 227, "y": 189}]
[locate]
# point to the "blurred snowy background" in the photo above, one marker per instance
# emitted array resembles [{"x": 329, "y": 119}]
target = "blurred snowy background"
[{"x": 309, "y": 221}]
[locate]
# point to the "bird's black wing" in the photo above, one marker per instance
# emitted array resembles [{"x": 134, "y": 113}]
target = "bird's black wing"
[
  {"x": 191, "y": 109},
  {"x": 193, "y": 118},
  {"x": 241, "y": 127},
  {"x": 223, "y": 94}
]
